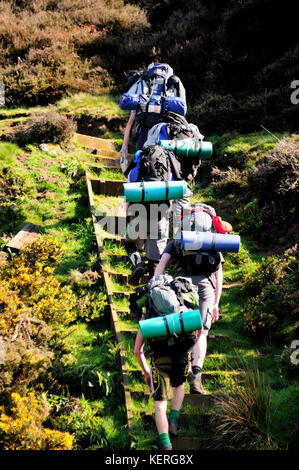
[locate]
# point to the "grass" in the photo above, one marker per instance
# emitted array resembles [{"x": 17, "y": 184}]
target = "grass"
[
  {"x": 121, "y": 267},
  {"x": 106, "y": 174},
  {"x": 113, "y": 248},
  {"x": 111, "y": 205},
  {"x": 101, "y": 105},
  {"x": 245, "y": 147},
  {"x": 120, "y": 301}
]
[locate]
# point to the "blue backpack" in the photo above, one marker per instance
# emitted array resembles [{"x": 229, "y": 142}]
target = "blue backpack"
[{"x": 155, "y": 93}]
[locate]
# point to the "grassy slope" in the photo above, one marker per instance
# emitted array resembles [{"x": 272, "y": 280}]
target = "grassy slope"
[{"x": 49, "y": 190}]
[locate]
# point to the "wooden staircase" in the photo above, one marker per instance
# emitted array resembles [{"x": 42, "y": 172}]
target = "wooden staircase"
[{"x": 194, "y": 425}]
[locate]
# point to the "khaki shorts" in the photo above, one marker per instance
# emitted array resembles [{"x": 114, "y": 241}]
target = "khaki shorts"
[
  {"x": 153, "y": 241},
  {"x": 168, "y": 372}
]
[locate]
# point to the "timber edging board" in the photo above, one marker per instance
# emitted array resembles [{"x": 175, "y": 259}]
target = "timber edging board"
[
  {"x": 28, "y": 234},
  {"x": 113, "y": 312}
]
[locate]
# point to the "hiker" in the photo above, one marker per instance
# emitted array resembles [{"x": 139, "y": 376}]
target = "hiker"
[
  {"x": 205, "y": 272},
  {"x": 186, "y": 141},
  {"x": 148, "y": 222},
  {"x": 169, "y": 356},
  {"x": 153, "y": 95}
]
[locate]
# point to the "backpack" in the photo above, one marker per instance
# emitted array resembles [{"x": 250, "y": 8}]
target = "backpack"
[
  {"x": 177, "y": 128},
  {"x": 198, "y": 218},
  {"x": 154, "y": 163},
  {"x": 166, "y": 295},
  {"x": 153, "y": 94}
]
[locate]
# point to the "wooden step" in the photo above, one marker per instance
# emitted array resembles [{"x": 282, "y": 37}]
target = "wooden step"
[
  {"x": 120, "y": 292},
  {"x": 195, "y": 400},
  {"x": 121, "y": 310},
  {"x": 131, "y": 333},
  {"x": 113, "y": 225},
  {"x": 109, "y": 163},
  {"x": 99, "y": 170},
  {"x": 27, "y": 235},
  {"x": 106, "y": 153},
  {"x": 185, "y": 419},
  {"x": 110, "y": 188},
  {"x": 120, "y": 278},
  {"x": 206, "y": 376},
  {"x": 94, "y": 142},
  {"x": 191, "y": 443}
]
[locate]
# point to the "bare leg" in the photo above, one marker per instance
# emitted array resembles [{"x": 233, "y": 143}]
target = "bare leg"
[
  {"x": 161, "y": 416},
  {"x": 200, "y": 350},
  {"x": 178, "y": 397}
]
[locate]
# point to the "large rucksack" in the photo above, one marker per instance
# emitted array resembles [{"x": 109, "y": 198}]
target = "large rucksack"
[
  {"x": 166, "y": 295},
  {"x": 198, "y": 218},
  {"x": 154, "y": 163},
  {"x": 154, "y": 93},
  {"x": 177, "y": 128}
]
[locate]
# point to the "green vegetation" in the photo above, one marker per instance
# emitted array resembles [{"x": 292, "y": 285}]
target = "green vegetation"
[
  {"x": 102, "y": 105},
  {"x": 72, "y": 369}
]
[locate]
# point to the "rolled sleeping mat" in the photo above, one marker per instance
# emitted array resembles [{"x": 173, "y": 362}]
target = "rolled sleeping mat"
[
  {"x": 174, "y": 104},
  {"x": 210, "y": 242},
  {"x": 156, "y": 327},
  {"x": 189, "y": 148},
  {"x": 153, "y": 191},
  {"x": 129, "y": 102}
]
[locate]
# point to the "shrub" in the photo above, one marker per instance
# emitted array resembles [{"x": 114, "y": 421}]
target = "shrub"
[
  {"x": 243, "y": 419},
  {"x": 26, "y": 356},
  {"x": 272, "y": 305},
  {"x": 87, "y": 426},
  {"x": 33, "y": 304},
  {"x": 49, "y": 127},
  {"x": 22, "y": 428},
  {"x": 258, "y": 321},
  {"x": 229, "y": 181},
  {"x": 270, "y": 270},
  {"x": 276, "y": 177},
  {"x": 31, "y": 277}
]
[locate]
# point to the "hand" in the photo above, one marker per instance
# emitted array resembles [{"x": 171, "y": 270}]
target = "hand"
[
  {"x": 215, "y": 315},
  {"x": 123, "y": 158}
]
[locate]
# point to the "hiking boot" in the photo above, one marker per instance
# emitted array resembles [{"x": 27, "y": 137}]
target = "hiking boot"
[
  {"x": 173, "y": 428},
  {"x": 195, "y": 384},
  {"x": 137, "y": 274}
]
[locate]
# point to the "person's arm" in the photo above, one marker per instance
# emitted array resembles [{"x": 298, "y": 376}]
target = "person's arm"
[
  {"x": 218, "y": 290},
  {"x": 127, "y": 133},
  {"x": 164, "y": 260},
  {"x": 138, "y": 351}
]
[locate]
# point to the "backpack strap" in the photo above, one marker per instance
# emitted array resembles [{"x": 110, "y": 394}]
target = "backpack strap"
[
  {"x": 166, "y": 325},
  {"x": 175, "y": 166},
  {"x": 182, "y": 323}
]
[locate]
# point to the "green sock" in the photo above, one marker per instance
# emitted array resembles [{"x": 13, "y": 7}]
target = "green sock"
[
  {"x": 164, "y": 439},
  {"x": 174, "y": 415}
]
